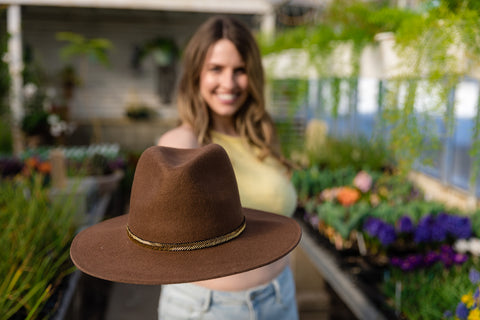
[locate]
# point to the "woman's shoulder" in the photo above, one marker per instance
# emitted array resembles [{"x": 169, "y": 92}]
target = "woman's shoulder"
[{"x": 179, "y": 137}]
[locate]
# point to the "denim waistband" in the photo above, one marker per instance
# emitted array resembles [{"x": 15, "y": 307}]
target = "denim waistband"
[
  {"x": 243, "y": 295},
  {"x": 255, "y": 299}
]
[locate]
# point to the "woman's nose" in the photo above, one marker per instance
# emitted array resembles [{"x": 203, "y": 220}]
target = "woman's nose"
[{"x": 228, "y": 80}]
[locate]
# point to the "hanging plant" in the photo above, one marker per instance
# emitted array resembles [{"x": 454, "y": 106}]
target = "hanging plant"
[
  {"x": 163, "y": 50},
  {"x": 438, "y": 44},
  {"x": 95, "y": 49}
]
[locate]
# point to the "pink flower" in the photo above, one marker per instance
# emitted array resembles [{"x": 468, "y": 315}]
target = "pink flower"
[
  {"x": 329, "y": 194},
  {"x": 362, "y": 181}
]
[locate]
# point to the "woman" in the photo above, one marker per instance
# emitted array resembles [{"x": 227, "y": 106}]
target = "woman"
[{"x": 221, "y": 100}]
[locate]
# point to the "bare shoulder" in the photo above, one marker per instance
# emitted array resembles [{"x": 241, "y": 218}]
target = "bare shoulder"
[{"x": 179, "y": 137}]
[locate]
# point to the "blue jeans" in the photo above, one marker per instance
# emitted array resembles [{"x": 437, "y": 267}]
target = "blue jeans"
[{"x": 274, "y": 300}]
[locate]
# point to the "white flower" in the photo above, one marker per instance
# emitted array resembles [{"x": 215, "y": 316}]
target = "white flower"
[
  {"x": 29, "y": 90},
  {"x": 56, "y": 129},
  {"x": 53, "y": 119},
  {"x": 461, "y": 246},
  {"x": 475, "y": 246}
]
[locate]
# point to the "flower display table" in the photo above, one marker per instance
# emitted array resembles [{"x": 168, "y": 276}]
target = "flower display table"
[{"x": 343, "y": 283}]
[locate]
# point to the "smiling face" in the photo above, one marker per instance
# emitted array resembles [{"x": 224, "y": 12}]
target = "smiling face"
[{"x": 223, "y": 83}]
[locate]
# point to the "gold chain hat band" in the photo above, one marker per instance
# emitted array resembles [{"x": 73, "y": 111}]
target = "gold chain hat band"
[{"x": 188, "y": 245}]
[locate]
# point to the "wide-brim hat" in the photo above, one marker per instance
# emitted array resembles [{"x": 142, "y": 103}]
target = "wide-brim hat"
[{"x": 185, "y": 224}]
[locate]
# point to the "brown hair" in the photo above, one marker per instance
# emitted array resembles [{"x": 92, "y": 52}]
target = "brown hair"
[{"x": 251, "y": 121}]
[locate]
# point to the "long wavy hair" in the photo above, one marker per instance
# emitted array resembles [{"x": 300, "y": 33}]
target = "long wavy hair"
[{"x": 251, "y": 121}]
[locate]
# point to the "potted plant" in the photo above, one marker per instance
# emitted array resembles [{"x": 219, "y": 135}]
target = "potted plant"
[
  {"x": 164, "y": 53},
  {"x": 35, "y": 122}
]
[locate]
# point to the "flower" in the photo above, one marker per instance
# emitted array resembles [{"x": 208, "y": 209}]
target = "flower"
[
  {"x": 474, "y": 276},
  {"x": 411, "y": 262},
  {"x": 372, "y": 225},
  {"x": 329, "y": 194},
  {"x": 59, "y": 127},
  {"x": 10, "y": 166},
  {"x": 44, "y": 167},
  {"x": 459, "y": 227},
  {"x": 461, "y": 246},
  {"x": 468, "y": 308},
  {"x": 439, "y": 227},
  {"x": 462, "y": 311},
  {"x": 386, "y": 234},
  {"x": 347, "y": 196},
  {"x": 468, "y": 300},
  {"x": 383, "y": 231},
  {"x": 446, "y": 255},
  {"x": 474, "y": 315},
  {"x": 363, "y": 181},
  {"x": 431, "y": 258},
  {"x": 459, "y": 258},
  {"x": 423, "y": 233},
  {"x": 374, "y": 199},
  {"x": 405, "y": 224},
  {"x": 475, "y": 246},
  {"x": 313, "y": 219},
  {"x": 29, "y": 90}
]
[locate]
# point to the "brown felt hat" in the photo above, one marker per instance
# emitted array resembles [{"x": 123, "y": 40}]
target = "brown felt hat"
[{"x": 185, "y": 224}]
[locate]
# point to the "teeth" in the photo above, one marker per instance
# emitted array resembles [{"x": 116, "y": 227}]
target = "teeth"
[{"x": 226, "y": 96}]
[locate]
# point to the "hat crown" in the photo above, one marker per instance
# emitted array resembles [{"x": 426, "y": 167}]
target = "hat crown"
[{"x": 184, "y": 195}]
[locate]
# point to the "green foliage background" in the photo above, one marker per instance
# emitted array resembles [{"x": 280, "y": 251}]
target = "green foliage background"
[{"x": 424, "y": 39}]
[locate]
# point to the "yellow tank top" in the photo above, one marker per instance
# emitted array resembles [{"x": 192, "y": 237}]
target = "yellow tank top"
[{"x": 263, "y": 185}]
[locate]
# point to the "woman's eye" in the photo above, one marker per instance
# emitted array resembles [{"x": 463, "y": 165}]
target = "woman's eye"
[
  {"x": 215, "y": 69},
  {"x": 240, "y": 70}
]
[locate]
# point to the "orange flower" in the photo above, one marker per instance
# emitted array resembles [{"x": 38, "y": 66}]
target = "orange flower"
[
  {"x": 44, "y": 167},
  {"x": 31, "y": 162},
  {"x": 348, "y": 196}
]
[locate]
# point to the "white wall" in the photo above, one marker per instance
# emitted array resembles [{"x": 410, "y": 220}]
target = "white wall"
[{"x": 105, "y": 92}]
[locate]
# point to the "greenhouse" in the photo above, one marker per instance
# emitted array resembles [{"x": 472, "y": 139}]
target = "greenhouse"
[{"x": 375, "y": 106}]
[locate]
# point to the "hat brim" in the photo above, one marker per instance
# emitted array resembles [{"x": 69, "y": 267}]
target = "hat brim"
[{"x": 105, "y": 251}]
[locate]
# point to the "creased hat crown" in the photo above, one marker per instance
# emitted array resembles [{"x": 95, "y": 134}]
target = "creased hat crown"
[{"x": 182, "y": 196}]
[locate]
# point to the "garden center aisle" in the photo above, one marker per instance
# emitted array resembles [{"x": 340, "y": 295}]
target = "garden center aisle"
[{"x": 316, "y": 300}]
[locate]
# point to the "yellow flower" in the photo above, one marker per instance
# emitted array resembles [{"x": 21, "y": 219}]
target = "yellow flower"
[
  {"x": 474, "y": 315},
  {"x": 468, "y": 300}
]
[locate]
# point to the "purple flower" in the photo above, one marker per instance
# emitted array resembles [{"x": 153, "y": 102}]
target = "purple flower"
[
  {"x": 447, "y": 314},
  {"x": 423, "y": 233},
  {"x": 386, "y": 234},
  {"x": 459, "y": 227},
  {"x": 412, "y": 262},
  {"x": 117, "y": 164},
  {"x": 459, "y": 258},
  {"x": 10, "y": 166},
  {"x": 462, "y": 311},
  {"x": 474, "y": 276},
  {"x": 405, "y": 224},
  {"x": 314, "y": 220},
  {"x": 431, "y": 258},
  {"x": 446, "y": 249},
  {"x": 372, "y": 226},
  {"x": 440, "y": 227},
  {"x": 395, "y": 261}
]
